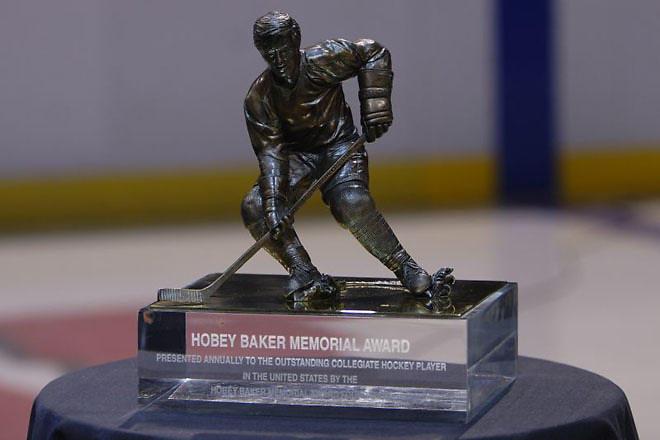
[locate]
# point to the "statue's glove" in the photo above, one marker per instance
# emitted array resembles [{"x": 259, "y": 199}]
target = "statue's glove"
[
  {"x": 274, "y": 204},
  {"x": 375, "y": 101}
]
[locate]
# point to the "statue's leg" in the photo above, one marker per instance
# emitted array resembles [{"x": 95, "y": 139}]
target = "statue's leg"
[
  {"x": 287, "y": 250},
  {"x": 350, "y": 202},
  {"x": 305, "y": 281},
  {"x": 354, "y": 208}
]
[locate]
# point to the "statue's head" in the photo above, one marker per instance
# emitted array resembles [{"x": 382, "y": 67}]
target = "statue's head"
[{"x": 277, "y": 37}]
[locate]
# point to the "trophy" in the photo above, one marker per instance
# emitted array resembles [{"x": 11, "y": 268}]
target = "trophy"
[{"x": 417, "y": 346}]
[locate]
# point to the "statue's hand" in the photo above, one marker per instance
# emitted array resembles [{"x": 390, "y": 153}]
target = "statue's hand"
[
  {"x": 277, "y": 223},
  {"x": 374, "y": 126}
]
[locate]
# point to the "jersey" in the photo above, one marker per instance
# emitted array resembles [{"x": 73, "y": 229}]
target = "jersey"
[{"x": 314, "y": 114}]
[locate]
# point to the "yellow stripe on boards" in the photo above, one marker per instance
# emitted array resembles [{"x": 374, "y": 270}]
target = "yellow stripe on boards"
[
  {"x": 207, "y": 195},
  {"x": 171, "y": 197},
  {"x": 434, "y": 183},
  {"x": 610, "y": 174},
  {"x": 122, "y": 200}
]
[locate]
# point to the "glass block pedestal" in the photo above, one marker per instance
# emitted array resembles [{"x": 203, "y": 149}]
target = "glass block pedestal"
[{"x": 377, "y": 352}]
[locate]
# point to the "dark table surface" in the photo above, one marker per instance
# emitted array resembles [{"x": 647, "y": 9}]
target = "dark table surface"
[{"x": 548, "y": 401}]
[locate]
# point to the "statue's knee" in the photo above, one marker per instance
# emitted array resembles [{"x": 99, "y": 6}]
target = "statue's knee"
[
  {"x": 348, "y": 203},
  {"x": 251, "y": 207}
]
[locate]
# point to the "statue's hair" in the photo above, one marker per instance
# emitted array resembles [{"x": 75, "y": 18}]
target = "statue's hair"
[{"x": 275, "y": 25}]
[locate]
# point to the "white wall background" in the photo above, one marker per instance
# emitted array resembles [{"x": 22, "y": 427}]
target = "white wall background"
[
  {"x": 608, "y": 73},
  {"x": 112, "y": 85},
  {"x": 108, "y": 85}
]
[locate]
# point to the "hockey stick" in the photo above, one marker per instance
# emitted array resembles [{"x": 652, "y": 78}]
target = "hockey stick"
[{"x": 199, "y": 296}]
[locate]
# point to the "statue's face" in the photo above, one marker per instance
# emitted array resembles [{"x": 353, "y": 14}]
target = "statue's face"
[{"x": 283, "y": 57}]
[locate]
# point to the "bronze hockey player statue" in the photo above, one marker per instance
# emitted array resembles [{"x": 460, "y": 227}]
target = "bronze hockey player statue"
[
  {"x": 299, "y": 124},
  {"x": 303, "y": 134}
]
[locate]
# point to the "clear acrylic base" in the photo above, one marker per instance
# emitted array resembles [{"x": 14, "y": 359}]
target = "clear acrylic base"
[{"x": 377, "y": 351}]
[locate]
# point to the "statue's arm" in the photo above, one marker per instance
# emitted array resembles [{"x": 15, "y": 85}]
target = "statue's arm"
[
  {"x": 267, "y": 142},
  {"x": 375, "y": 79},
  {"x": 333, "y": 61}
]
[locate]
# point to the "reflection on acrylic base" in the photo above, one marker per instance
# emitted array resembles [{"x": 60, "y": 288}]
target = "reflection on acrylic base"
[{"x": 376, "y": 350}]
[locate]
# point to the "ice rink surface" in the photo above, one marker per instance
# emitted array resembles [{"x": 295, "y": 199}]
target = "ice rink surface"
[{"x": 588, "y": 290}]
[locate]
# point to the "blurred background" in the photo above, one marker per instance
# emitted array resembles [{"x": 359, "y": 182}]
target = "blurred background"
[{"x": 526, "y": 147}]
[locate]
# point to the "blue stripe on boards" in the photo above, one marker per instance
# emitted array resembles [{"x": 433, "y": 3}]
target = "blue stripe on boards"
[{"x": 527, "y": 168}]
